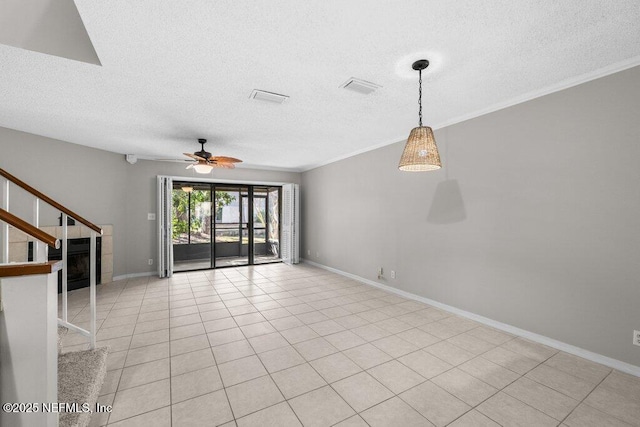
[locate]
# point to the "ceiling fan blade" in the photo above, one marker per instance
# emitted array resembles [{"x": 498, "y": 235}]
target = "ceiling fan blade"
[
  {"x": 194, "y": 156},
  {"x": 224, "y": 159}
]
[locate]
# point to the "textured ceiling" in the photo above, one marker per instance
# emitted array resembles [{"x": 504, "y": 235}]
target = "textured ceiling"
[{"x": 176, "y": 71}]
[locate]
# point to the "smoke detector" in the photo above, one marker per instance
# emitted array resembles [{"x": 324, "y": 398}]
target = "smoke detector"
[
  {"x": 263, "y": 95},
  {"x": 361, "y": 86}
]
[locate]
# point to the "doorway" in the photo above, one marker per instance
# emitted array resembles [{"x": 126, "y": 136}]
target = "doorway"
[{"x": 224, "y": 225}]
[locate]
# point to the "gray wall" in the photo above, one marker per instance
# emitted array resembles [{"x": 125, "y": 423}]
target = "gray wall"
[
  {"x": 534, "y": 220},
  {"x": 108, "y": 191}
]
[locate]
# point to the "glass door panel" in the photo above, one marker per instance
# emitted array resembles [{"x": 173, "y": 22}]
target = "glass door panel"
[
  {"x": 191, "y": 226},
  {"x": 266, "y": 224},
  {"x": 230, "y": 227}
]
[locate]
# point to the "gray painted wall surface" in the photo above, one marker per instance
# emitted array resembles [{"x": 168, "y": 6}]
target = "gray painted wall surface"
[
  {"x": 534, "y": 220},
  {"x": 110, "y": 190}
]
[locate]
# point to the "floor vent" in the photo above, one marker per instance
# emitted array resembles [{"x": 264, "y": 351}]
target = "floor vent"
[
  {"x": 360, "y": 86},
  {"x": 263, "y": 95}
]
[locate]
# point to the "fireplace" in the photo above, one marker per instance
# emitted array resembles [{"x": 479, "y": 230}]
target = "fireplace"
[{"x": 77, "y": 262}]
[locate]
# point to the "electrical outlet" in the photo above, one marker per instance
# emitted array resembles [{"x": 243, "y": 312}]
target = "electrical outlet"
[
  {"x": 151, "y": 216},
  {"x": 636, "y": 337},
  {"x": 317, "y": 254},
  {"x": 309, "y": 252},
  {"x": 380, "y": 273},
  {"x": 393, "y": 274},
  {"x": 150, "y": 261}
]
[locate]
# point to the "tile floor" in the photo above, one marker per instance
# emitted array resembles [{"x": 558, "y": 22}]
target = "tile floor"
[{"x": 279, "y": 345}]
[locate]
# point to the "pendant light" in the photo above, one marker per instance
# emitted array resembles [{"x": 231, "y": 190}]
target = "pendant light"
[
  {"x": 420, "y": 152},
  {"x": 187, "y": 188}
]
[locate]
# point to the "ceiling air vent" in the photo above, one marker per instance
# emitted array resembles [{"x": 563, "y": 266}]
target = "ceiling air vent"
[
  {"x": 360, "y": 86},
  {"x": 263, "y": 95}
]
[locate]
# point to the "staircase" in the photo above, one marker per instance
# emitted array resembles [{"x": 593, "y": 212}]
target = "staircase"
[{"x": 33, "y": 366}]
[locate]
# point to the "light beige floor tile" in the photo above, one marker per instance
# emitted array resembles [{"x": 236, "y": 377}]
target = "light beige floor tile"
[
  {"x": 194, "y": 384},
  {"x": 190, "y": 344},
  {"x": 149, "y": 338},
  {"x": 541, "y": 397},
  {"x": 439, "y": 330},
  {"x": 299, "y": 334},
  {"x": 425, "y": 364},
  {"x": 189, "y": 319},
  {"x": 224, "y": 337},
  {"x": 335, "y": 367},
  {"x": 315, "y": 348},
  {"x": 116, "y": 344},
  {"x": 281, "y": 358},
  {"x": 370, "y": 332},
  {"x": 158, "y": 418},
  {"x": 115, "y": 332},
  {"x": 276, "y": 313},
  {"x": 192, "y": 361},
  {"x": 474, "y": 418},
  {"x": 116, "y": 360},
  {"x": 287, "y": 322},
  {"x": 111, "y": 380},
  {"x": 393, "y": 325},
  {"x": 395, "y": 346},
  {"x": 279, "y": 415},
  {"x": 392, "y": 413},
  {"x": 625, "y": 407},
  {"x": 210, "y": 409},
  {"x": 351, "y": 321},
  {"x": 268, "y": 342},
  {"x": 220, "y": 324},
  {"x": 241, "y": 370},
  {"x": 232, "y": 351},
  {"x": 362, "y": 391},
  {"x": 532, "y": 350},
  {"x": 450, "y": 353},
  {"x": 579, "y": 367},
  {"x": 344, "y": 340},
  {"x": 138, "y": 400},
  {"x": 489, "y": 372},
  {"x": 396, "y": 376},
  {"x": 144, "y": 373},
  {"x": 471, "y": 343},
  {"x": 508, "y": 359},
  {"x": 101, "y": 418},
  {"x": 355, "y": 421},
  {"x": 147, "y": 354},
  {"x": 560, "y": 381},
  {"x": 622, "y": 383},
  {"x": 298, "y": 380},
  {"x": 509, "y": 411},
  {"x": 434, "y": 403},
  {"x": 465, "y": 387},
  {"x": 326, "y": 327},
  {"x": 257, "y": 329},
  {"x": 418, "y": 337},
  {"x": 367, "y": 356},
  {"x": 215, "y": 315},
  {"x": 322, "y": 407},
  {"x": 252, "y": 396},
  {"x": 154, "y": 315},
  {"x": 586, "y": 416},
  {"x": 249, "y": 319}
]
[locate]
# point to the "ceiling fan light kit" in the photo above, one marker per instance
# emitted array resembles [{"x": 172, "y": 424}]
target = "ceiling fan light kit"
[
  {"x": 205, "y": 162},
  {"x": 420, "y": 152}
]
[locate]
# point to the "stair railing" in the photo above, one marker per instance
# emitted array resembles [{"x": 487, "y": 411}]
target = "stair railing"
[{"x": 41, "y": 248}]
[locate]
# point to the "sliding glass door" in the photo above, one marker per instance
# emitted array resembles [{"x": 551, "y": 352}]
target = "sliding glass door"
[{"x": 224, "y": 225}]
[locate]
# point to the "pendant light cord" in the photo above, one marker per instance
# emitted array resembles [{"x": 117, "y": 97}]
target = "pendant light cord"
[{"x": 420, "y": 98}]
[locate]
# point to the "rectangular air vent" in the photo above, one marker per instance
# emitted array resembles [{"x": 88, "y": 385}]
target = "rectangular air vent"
[
  {"x": 263, "y": 95},
  {"x": 360, "y": 86}
]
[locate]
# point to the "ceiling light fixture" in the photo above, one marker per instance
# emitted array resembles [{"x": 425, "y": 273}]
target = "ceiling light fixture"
[
  {"x": 187, "y": 188},
  {"x": 420, "y": 152},
  {"x": 202, "y": 167}
]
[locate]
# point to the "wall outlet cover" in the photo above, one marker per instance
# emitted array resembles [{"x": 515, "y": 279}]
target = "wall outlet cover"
[
  {"x": 150, "y": 261},
  {"x": 151, "y": 216},
  {"x": 636, "y": 337}
]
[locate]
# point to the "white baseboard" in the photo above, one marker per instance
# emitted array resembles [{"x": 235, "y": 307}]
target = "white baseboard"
[
  {"x": 130, "y": 276},
  {"x": 568, "y": 348}
]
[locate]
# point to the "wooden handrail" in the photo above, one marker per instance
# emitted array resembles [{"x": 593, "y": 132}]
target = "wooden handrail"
[
  {"x": 29, "y": 268},
  {"x": 32, "y": 231},
  {"x": 50, "y": 201}
]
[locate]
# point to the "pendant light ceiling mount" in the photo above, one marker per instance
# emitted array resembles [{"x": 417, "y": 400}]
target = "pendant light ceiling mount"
[{"x": 420, "y": 152}]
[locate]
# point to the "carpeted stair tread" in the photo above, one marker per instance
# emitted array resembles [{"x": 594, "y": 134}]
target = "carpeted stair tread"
[
  {"x": 80, "y": 378},
  {"x": 62, "y": 331}
]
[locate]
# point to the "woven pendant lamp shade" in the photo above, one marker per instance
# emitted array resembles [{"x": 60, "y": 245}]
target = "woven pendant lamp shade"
[{"x": 421, "y": 152}]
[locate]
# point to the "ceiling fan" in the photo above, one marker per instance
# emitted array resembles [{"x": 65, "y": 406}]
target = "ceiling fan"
[{"x": 205, "y": 162}]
